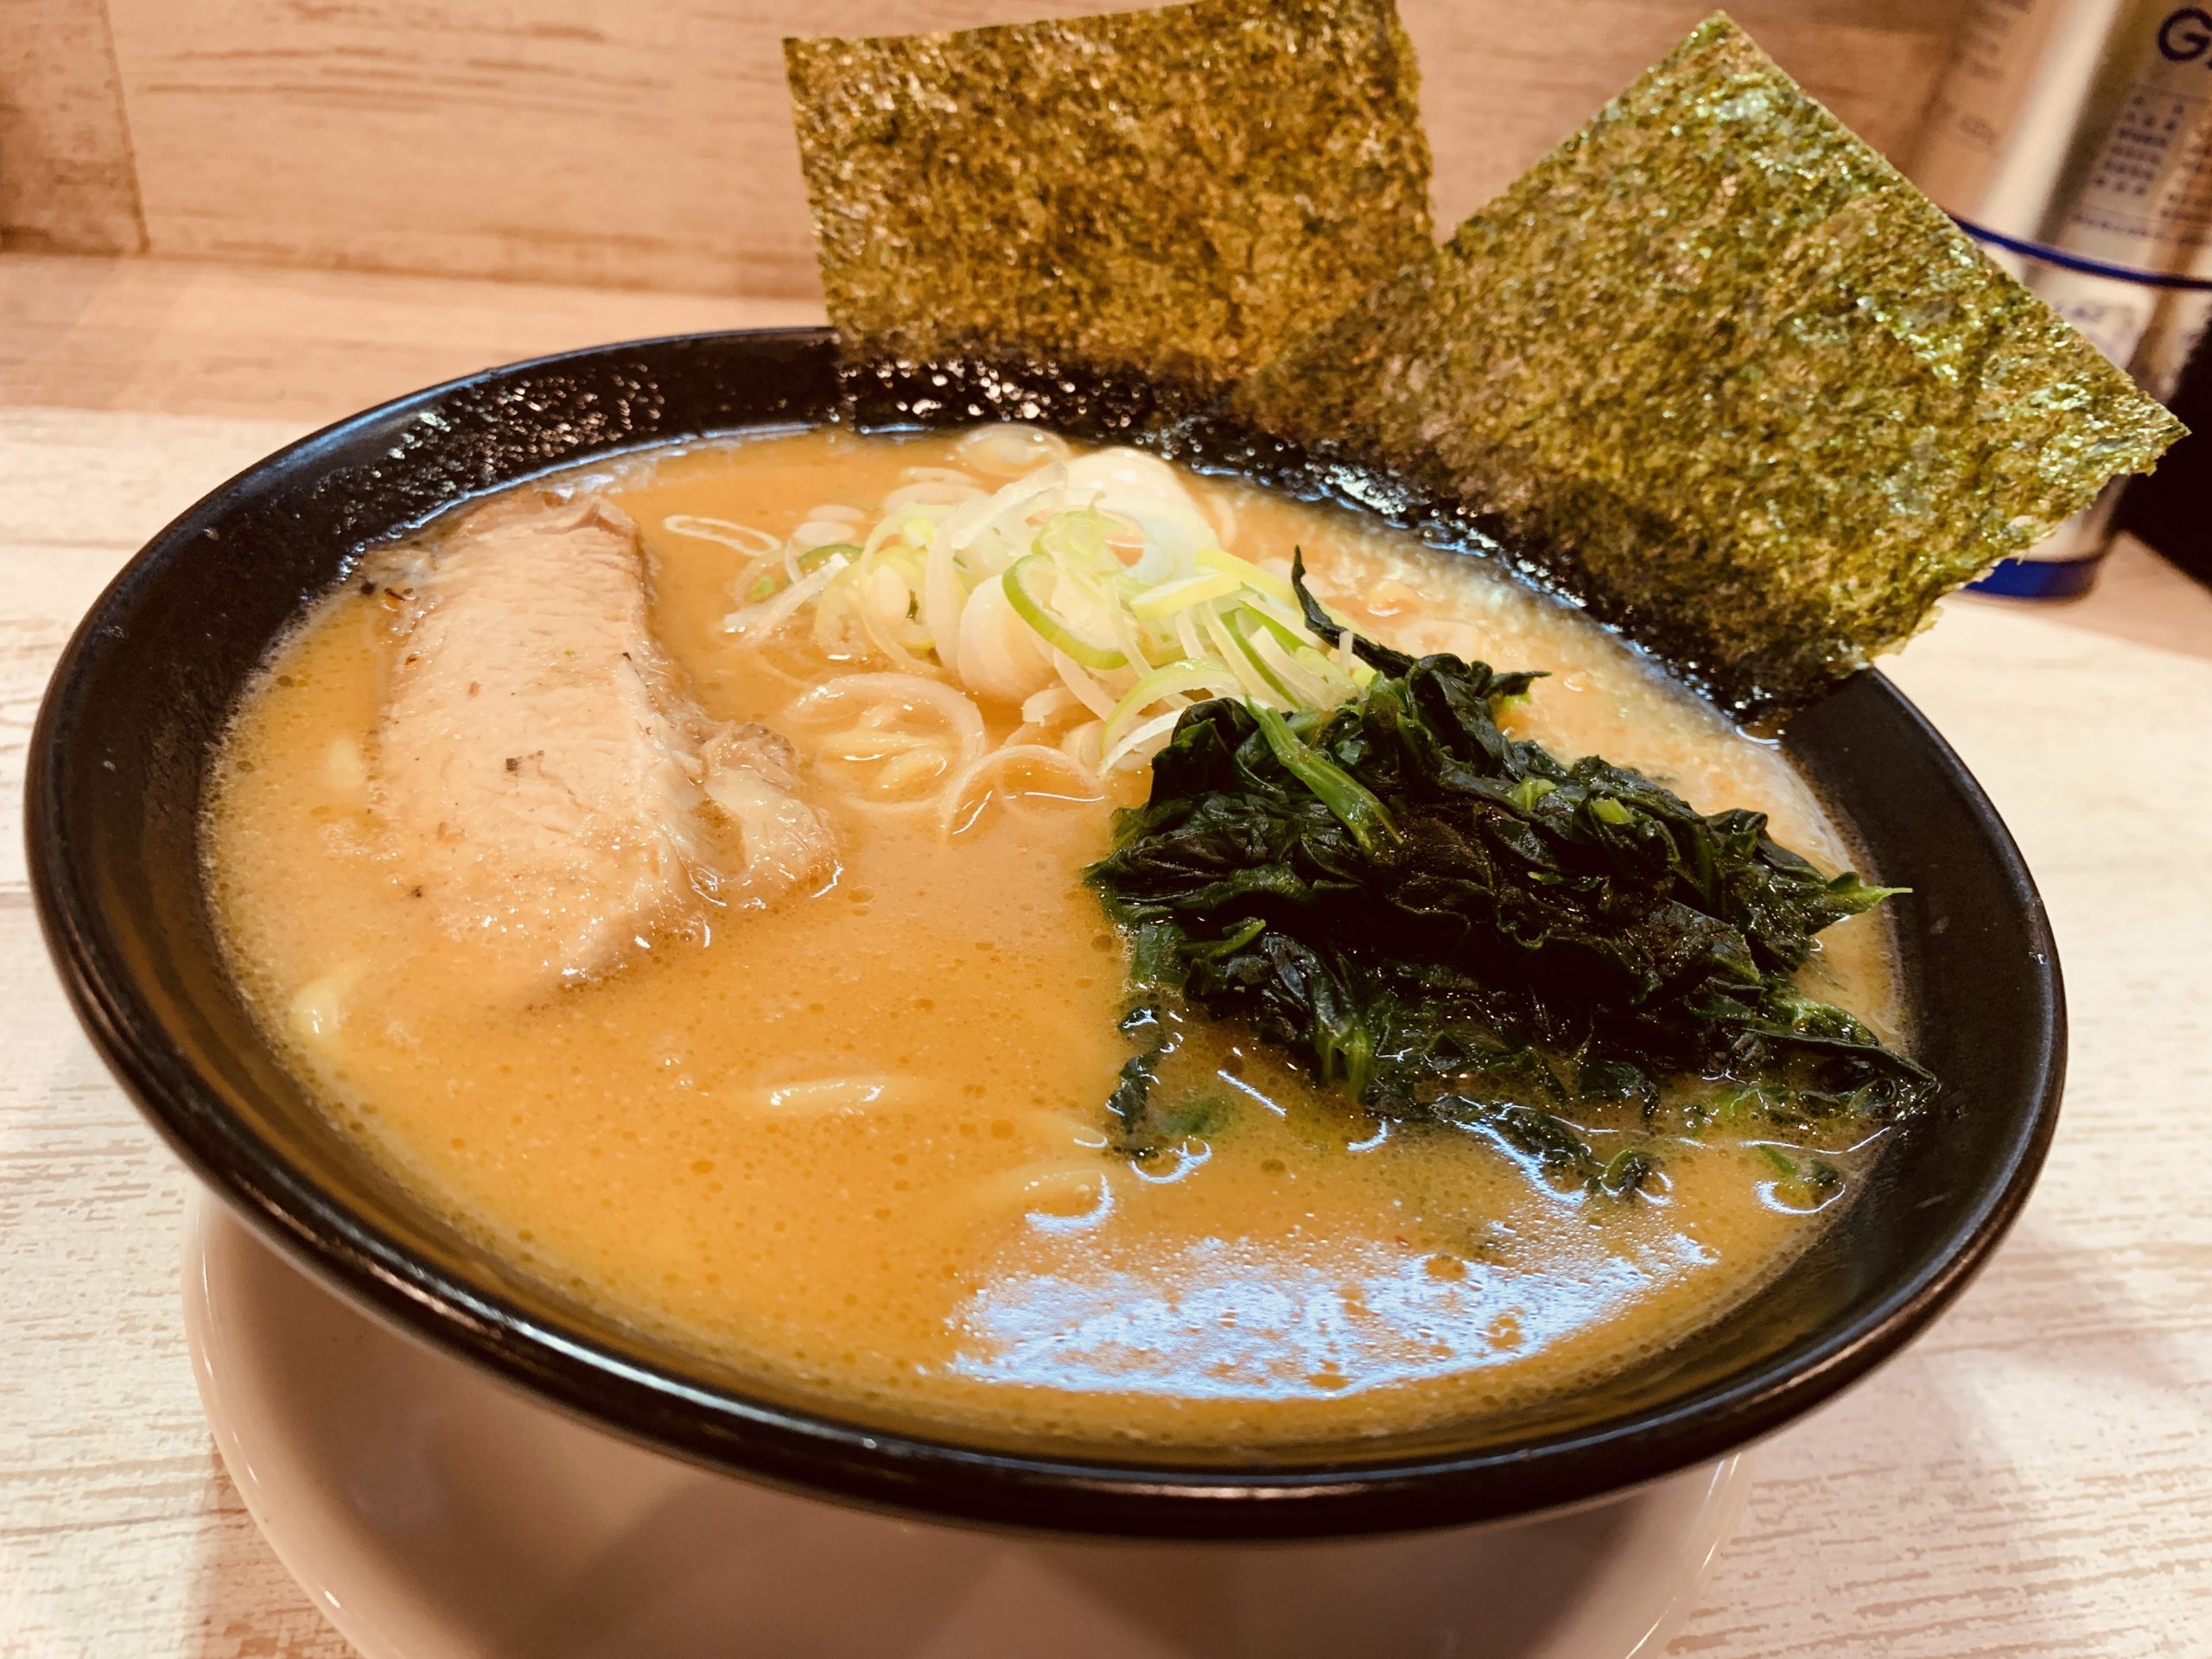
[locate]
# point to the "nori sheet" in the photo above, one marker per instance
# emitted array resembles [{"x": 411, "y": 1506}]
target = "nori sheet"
[
  {"x": 1178, "y": 192},
  {"x": 1716, "y": 368}
]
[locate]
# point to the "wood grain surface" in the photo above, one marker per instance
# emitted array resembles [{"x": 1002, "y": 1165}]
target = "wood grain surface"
[
  {"x": 2031, "y": 1479},
  {"x": 68, "y": 177},
  {"x": 647, "y": 144}
]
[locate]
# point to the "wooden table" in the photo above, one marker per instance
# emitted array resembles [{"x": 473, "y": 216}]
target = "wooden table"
[{"x": 2033, "y": 1477}]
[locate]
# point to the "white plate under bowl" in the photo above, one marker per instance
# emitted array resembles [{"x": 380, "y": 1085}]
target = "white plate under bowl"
[{"x": 432, "y": 1513}]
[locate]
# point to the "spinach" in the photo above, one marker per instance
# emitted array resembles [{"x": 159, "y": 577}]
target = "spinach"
[{"x": 1454, "y": 927}]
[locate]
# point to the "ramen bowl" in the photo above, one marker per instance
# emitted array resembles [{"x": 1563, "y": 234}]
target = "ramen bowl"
[{"x": 121, "y": 759}]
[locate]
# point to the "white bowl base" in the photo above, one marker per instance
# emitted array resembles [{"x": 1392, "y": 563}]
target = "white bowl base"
[{"x": 434, "y": 1513}]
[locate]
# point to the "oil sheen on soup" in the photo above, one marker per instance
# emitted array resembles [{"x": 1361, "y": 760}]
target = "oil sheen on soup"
[{"x": 846, "y": 1133}]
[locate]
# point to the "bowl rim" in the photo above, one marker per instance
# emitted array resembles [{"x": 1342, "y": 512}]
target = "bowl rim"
[{"x": 903, "y": 1471}]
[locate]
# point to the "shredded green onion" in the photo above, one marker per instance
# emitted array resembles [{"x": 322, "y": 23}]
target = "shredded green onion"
[
  {"x": 1175, "y": 680},
  {"x": 1031, "y": 607},
  {"x": 1246, "y": 574},
  {"x": 1098, "y": 576},
  {"x": 1172, "y": 596},
  {"x": 1529, "y": 790},
  {"x": 1078, "y": 540}
]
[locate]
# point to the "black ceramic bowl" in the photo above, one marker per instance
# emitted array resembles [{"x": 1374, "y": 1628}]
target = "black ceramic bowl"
[{"x": 120, "y": 758}]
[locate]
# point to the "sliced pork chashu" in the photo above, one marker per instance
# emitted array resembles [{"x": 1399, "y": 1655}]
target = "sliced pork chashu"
[{"x": 543, "y": 774}]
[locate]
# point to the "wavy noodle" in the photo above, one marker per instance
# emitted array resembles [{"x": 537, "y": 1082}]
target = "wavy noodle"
[
  {"x": 924, "y": 765},
  {"x": 959, "y": 709},
  {"x": 746, "y": 539},
  {"x": 900, "y": 759},
  {"x": 763, "y": 662},
  {"x": 963, "y": 783},
  {"x": 824, "y": 1096},
  {"x": 1061, "y": 1190}
]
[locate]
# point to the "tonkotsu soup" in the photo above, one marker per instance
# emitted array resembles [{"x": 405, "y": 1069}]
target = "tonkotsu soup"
[{"x": 676, "y": 872}]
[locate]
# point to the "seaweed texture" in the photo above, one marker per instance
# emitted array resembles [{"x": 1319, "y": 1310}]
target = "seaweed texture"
[
  {"x": 1711, "y": 366},
  {"x": 1179, "y": 192},
  {"x": 1717, "y": 368}
]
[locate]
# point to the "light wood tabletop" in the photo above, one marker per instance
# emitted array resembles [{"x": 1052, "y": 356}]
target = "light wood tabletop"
[{"x": 2034, "y": 1477}]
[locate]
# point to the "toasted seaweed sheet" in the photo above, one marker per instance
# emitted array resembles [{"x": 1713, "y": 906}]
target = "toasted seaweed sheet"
[
  {"x": 1715, "y": 366},
  {"x": 1179, "y": 192}
]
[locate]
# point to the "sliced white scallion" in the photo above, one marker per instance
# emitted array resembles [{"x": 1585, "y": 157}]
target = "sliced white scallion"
[
  {"x": 1093, "y": 591},
  {"x": 757, "y": 622},
  {"x": 997, "y": 654},
  {"x": 1169, "y": 597},
  {"x": 938, "y": 493},
  {"x": 1010, "y": 450},
  {"x": 1142, "y": 741},
  {"x": 1169, "y": 684},
  {"x": 1083, "y": 744},
  {"x": 820, "y": 532},
  {"x": 1252, "y": 674},
  {"x": 1052, "y": 701},
  {"x": 1082, "y": 684}
]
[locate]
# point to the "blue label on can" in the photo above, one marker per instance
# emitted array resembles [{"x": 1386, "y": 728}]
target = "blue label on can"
[{"x": 2041, "y": 578}]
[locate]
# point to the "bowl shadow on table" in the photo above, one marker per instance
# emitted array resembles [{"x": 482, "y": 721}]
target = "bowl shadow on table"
[
  {"x": 1904, "y": 1519},
  {"x": 2090, "y": 1323}
]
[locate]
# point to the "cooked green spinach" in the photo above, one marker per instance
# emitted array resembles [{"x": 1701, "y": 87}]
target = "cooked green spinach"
[{"x": 1453, "y": 926}]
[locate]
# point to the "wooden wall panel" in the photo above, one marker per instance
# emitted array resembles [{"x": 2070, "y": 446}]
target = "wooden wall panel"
[
  {"x": 647, "y": 143},
  {"x": 1497, "y": 91},
  {"x": 66, "y": 180},
  {"x": 636, "y": 143}
]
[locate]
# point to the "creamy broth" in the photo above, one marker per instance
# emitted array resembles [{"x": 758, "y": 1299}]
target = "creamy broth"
[{"x": 855, "y": 1143}]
